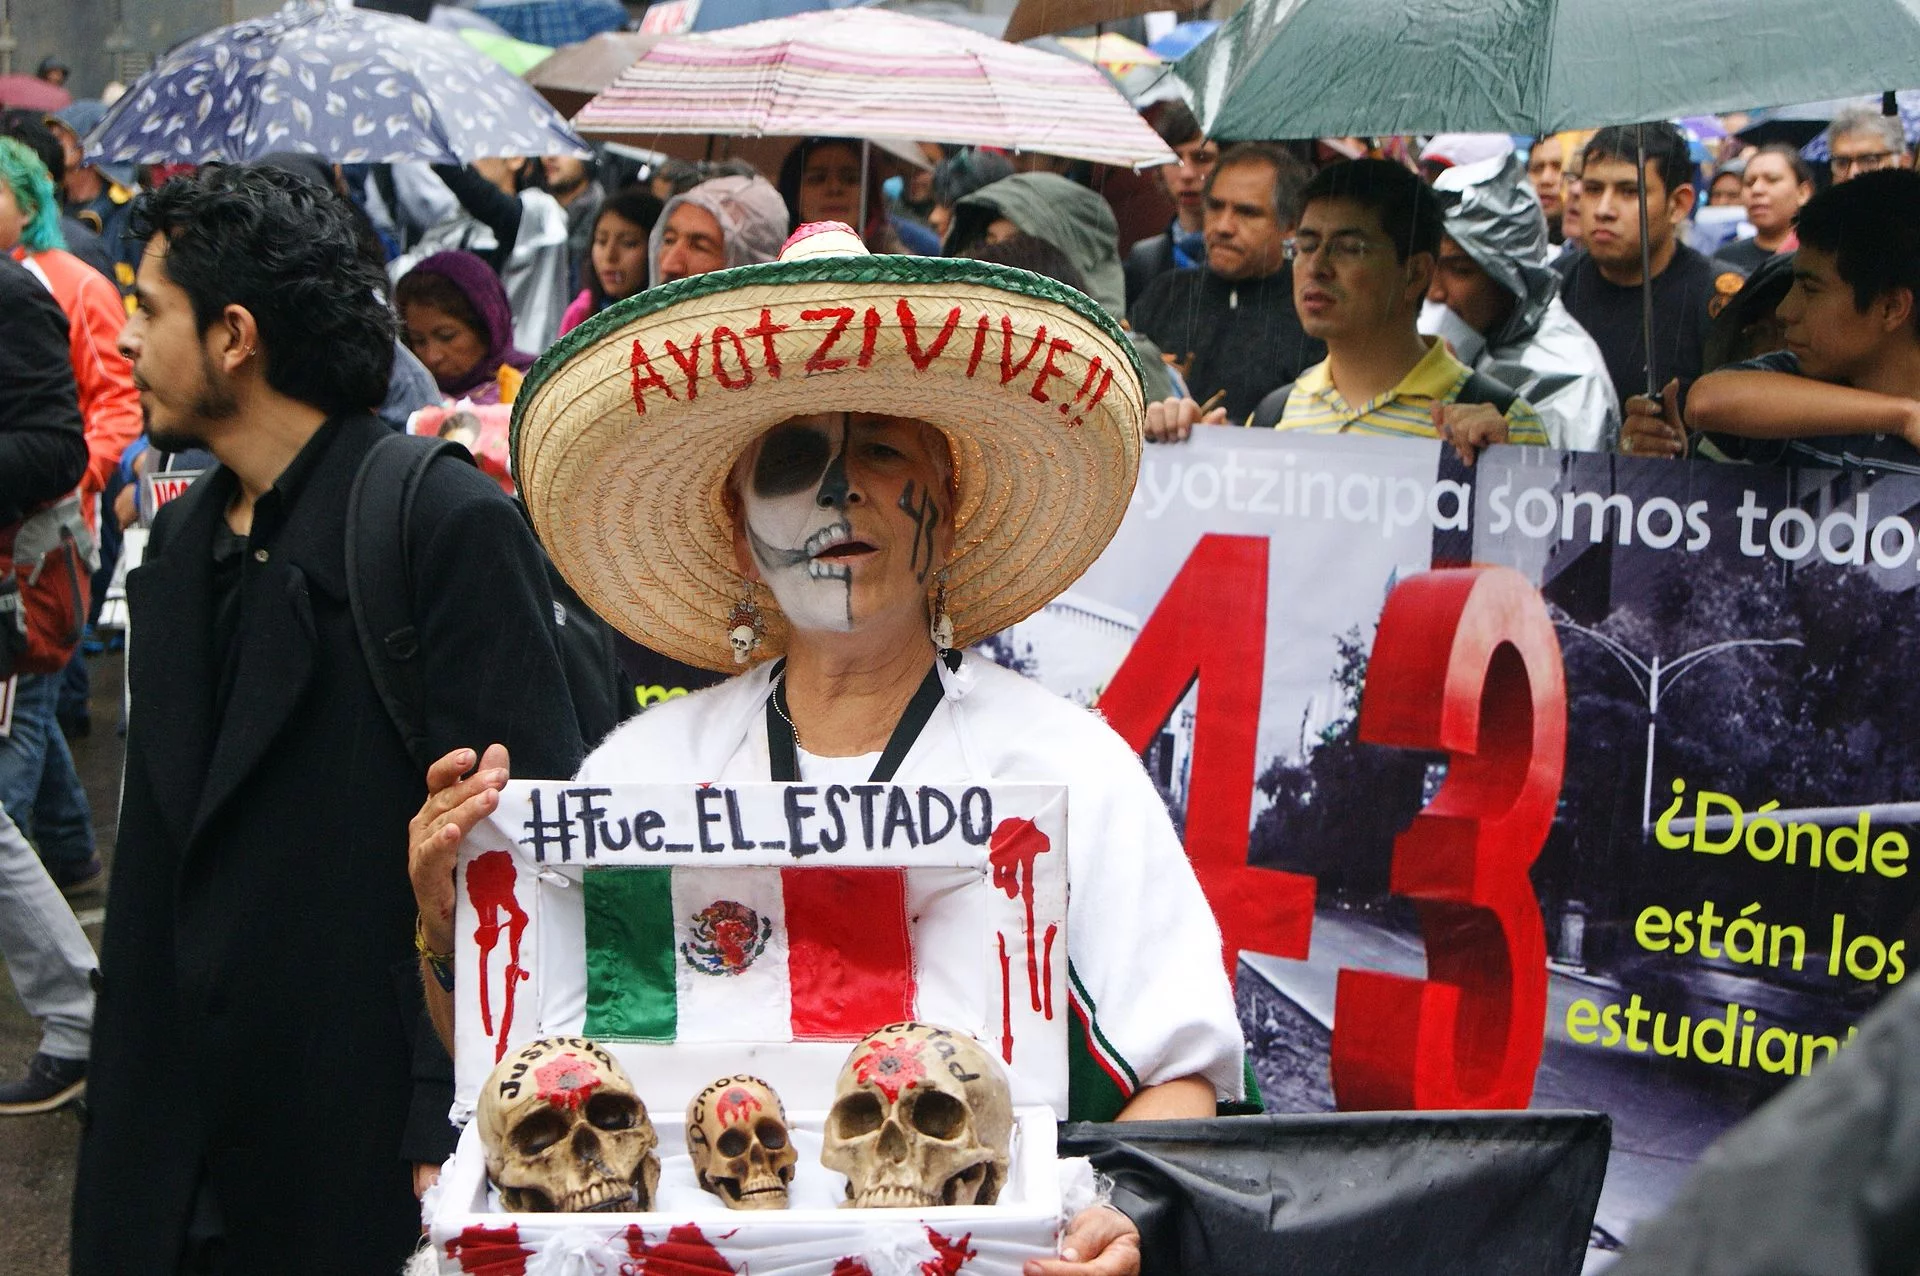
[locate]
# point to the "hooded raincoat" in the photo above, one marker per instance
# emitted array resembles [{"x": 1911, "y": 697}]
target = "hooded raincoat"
[
  {"x": 1080, "y": 224},
  {"x": 752, "y": 217},
  {"x": 1540, "y": 351},
  {"x": 1065, "y": 214},
  {"x": 532, "y": 225}
]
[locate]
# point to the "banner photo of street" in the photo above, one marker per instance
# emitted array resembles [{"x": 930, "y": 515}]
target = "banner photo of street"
[{"x": 1635, "y": 787}]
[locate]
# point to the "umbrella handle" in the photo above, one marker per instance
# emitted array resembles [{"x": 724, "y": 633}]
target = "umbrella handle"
[
  {"x": 1646, "y": 264},
  {"x": 866, "y": 166}
]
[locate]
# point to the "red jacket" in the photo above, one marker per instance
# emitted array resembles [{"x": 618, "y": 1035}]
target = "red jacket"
[{"x": 109, "y": 405}]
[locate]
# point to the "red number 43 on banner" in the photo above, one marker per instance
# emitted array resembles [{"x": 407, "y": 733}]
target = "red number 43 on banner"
[{"x": 1465, "y": 662}]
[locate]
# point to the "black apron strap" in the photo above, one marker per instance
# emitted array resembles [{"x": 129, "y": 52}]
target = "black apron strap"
[{"x": 783, "y": 744}]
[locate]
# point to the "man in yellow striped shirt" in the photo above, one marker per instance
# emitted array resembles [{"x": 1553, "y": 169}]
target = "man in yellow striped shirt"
[{"x": 1364, "y": 255}]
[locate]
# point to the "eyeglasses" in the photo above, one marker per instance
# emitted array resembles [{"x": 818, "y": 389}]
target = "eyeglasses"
[
  {"x": 1868, "y": 163},
  {"x": 1344, "y": 248}
]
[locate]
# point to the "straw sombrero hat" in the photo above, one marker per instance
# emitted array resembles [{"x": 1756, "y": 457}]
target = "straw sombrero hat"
[{"x": 625, "y": 431}]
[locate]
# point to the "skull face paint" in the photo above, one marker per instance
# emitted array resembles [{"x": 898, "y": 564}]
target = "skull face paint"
[
  {"x": 846, "y": 516},
  {"x": 796, "y": 516}
]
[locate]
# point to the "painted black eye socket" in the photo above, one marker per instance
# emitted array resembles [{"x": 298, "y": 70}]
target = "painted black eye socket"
[
  {"x": 732, "y": 1142},
  {"x": 857, "y": 1114},
  {"x": 773, "y": 1136},
  {"x": 938, "y": 1115},
  {"x": 612, "y": 1112},
  {"x": 792, "y": 459},
  {"x": 540, "y": 1131}
]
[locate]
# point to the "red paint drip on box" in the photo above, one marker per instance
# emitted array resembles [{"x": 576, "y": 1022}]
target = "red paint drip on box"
[
  {"x": 1015, "y": 846},
  {"x": 490, "y": 1251},
  {"x": 490, "y": 880}
]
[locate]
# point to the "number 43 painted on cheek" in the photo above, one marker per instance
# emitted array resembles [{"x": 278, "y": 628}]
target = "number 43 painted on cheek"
[{"x": 1465, "y": 661}]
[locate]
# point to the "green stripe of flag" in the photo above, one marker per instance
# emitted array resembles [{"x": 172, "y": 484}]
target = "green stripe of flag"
[{"x": 630, "y": 964}]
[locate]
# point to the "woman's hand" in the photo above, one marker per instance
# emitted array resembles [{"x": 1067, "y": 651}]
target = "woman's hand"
[
  {"x": 452, "y": 808},
  {"x": 1100, "y": 1241}
]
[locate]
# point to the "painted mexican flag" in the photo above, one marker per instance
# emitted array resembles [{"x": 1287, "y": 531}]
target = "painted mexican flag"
[{"x": 703, "y": 954}]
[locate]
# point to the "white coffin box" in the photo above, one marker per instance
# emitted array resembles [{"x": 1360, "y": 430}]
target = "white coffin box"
[{"x": 979, "y": 873}]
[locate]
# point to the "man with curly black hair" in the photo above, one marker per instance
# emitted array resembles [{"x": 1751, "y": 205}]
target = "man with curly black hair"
[{"x": 253, "y": 1104}]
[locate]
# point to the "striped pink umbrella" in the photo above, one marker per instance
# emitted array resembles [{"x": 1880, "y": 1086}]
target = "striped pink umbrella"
[{"x": 873, "y": 73}]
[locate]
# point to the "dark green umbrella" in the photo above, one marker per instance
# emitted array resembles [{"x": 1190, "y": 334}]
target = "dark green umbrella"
[
  {"x": 1333, "y": 68},
  {"x": 1321, "y": 68}
]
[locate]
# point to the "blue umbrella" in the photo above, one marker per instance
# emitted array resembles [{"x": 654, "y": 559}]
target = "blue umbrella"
[
  {"x": 1908, "y": 102},
  {"x": 350, "y": 85},
  {"x": 554, "y": 22},
  {"x": 717, "y": 15},
  {"x": 1178, "y": 42}
]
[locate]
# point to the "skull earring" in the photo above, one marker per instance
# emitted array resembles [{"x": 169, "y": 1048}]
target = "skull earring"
[
  {"x": 745, "y": 627},
  {"x": 941, "y": 630}
]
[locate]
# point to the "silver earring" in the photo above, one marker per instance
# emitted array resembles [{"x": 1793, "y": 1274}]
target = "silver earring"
[
  {"x": 942, "y": 628},
  {"x": 745, "y": 627}
]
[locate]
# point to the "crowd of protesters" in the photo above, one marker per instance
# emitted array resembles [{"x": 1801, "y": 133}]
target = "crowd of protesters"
[{"x": 1480, "y": 290}]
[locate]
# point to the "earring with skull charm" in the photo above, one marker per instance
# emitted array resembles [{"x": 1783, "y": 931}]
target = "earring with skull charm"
[{"x": 745, "y": 627}]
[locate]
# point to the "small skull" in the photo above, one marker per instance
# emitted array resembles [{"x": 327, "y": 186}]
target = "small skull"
[
  {"x": 742, "y": 637},
  {"x": 564, "y": 1131},
  {"x": 923, "y": 1116},
  {"x": 737, "y": 1137}
]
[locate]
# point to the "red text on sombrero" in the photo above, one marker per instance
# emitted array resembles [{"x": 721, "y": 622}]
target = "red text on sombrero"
[{"x": 730, "y": 360}]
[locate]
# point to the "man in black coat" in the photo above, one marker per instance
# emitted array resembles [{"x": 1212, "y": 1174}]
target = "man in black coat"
[
  {"x": 251, "y": 1077},
  {"x": 1230, "y": 324},
  {"x": 1183, "y": 244}
]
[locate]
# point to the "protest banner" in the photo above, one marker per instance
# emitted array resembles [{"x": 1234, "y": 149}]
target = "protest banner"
[
  {"x": 1614, "y": 818},
  {"x": 158, "y": 489}
]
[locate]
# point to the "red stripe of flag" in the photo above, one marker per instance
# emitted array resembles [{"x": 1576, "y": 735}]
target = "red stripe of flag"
[{"x": 850, "y": 954}]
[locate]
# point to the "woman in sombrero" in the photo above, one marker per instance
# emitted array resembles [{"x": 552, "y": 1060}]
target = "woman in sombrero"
[{"x": 838, "y": 470}]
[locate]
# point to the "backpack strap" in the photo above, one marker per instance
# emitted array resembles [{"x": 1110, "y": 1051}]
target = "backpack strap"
[
  {"x": 379, "y": 579},
  {"x": 1272, "y": 406}
]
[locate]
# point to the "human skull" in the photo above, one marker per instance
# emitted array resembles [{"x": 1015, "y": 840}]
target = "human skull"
[
  {"x": 922, "y": 1116},
  {"x": 741, "y": 636},
  {"x": 564, "y": 1131},
  {"x": 737, "y": 1136}
]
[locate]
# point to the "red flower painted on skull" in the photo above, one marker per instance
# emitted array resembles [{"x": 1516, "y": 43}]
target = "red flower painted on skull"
[
  {"x": 890, "y": 1068},
  {"x": 735, "y": 1106},
  {"x": 567, "y": 1081}
]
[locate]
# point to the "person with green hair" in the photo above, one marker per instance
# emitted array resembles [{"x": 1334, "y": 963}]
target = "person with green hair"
[
  {"x": 29, "y": 206},
  {"x": 38, "y": 784}
]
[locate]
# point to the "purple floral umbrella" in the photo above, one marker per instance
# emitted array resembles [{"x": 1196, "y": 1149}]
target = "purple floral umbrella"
[{"x": 349, "y": 85}]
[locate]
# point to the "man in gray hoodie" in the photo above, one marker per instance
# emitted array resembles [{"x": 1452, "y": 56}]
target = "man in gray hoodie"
[{"x": 1496, "y": 302}]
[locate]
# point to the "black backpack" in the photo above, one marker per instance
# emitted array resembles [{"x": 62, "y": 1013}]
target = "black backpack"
[{"x": 380, "y": 594}]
